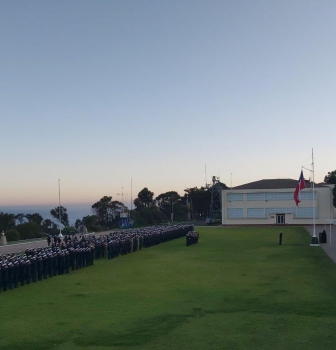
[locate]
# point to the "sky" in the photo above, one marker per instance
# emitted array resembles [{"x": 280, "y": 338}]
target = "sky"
[{"x": 114, "y": 96}]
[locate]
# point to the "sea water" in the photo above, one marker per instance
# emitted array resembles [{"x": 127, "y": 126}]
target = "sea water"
[{"x": 75, "y": 211}]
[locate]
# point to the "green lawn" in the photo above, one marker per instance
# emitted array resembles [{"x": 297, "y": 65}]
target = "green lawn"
[{"x": 235, "y": 289}]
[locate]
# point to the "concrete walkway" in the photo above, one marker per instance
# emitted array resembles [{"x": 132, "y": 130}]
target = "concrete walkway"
[
  {"x": 330, "y": 246},
  {"x": 21, "y": 247}
]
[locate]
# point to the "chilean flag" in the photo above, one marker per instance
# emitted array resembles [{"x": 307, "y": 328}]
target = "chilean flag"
[{"x": 300, "y": 186}]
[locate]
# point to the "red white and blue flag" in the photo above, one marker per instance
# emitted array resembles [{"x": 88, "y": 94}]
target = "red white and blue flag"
[{"x": 300, "y": 186}]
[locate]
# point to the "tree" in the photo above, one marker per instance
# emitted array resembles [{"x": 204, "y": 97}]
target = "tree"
[
  {"x": 200, "y": 199},
  {"x": 138, "y": 204},
  {"x": 20, "y": 218},
  {"x": 153, "y": 215},
  {"x": 181, "y": 212},
  {"x": 69, "y": 230},
  {"x": 331, "y": 177},
  {"x": 169, "y": 202},
  {"x": 139, "y": 221},
  {"x": 7, "y": 221},
  {"x": 148, "y": 216},
  {"x": 145, "y": 199},
  {"x": 117, "y": 208},
  {"x": 49, "y": 226},
  {"x": 108, "y": 211},
  {"x": 90, "y": 222},
  {"x": 102, "y": 209},
  {"x": 36, "y": 218},
  {"x": 78, "y": 224},
  {"x": 167, "y": 199},
  {"x": 60, "y": 212},
  {"x": 12, "y": 235},
  {"x": 29, "y": 230}
]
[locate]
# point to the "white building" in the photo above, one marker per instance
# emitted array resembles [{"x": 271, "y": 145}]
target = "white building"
[{"x": 271, "y": 202}]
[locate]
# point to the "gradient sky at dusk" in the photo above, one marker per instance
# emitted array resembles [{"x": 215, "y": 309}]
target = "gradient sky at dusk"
[{"x": 98, "y": 92}]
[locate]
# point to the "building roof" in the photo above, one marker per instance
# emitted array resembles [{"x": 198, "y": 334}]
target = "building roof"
[{"x": 270, "y": 184}]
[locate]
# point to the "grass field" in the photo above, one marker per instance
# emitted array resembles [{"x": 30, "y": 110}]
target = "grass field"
[{"x": 235, "y": 289}]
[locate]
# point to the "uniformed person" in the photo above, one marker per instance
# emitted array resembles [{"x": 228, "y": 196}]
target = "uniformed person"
[
  {"x": 33, "y": 262},
  {"x": 10, "y": 274},
  {"x": 0, "y": 275},
  {"x": 4, "y": 276},
  {"x": 22, "y": 271}
]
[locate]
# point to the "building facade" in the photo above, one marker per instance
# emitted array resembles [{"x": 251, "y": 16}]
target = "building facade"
[{"x": 271, "y": 202}]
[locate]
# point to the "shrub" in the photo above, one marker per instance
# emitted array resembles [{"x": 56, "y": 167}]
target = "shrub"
[
  {"x": 29, "y": 230},
  {"x": 12, "y": 235},
  {"x": 69, "y": 229}
]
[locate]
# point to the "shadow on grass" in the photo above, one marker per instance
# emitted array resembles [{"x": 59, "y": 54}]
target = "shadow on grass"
[
  {"x": 147, "y": 330},
  {"x": 139, "y": 334}
]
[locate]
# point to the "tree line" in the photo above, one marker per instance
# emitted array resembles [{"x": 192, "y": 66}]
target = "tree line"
[
  {"x": 25, "y": 226},
  {"x": 330, "y": 178},
  {"x": 148, "y": 210}
]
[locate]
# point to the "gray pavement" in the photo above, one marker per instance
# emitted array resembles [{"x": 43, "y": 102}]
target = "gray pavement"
[
  {"x": 22, "y": 246},
  {"x": 19, "y": 247},
  {"x": 330, "y": 246}
]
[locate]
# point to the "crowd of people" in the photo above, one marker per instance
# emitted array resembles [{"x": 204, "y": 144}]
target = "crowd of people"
[
  {"x": 192, "y": 238},
  {"x": 71, "y": 253}
]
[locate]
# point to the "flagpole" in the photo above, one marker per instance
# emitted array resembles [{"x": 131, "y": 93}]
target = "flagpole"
[
  {"x": 314, "y": 241},
  {"x": 314, "y": 233},
  {"x": 59, "y": 204}
]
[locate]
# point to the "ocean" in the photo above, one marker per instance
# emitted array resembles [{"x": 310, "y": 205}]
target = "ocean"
[{"x": 75, "y": 211}]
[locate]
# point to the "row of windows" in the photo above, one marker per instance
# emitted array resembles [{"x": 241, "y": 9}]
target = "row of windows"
[
  {"x": 269, "y": 196},
  {"x": 235, "y": 213},
  {"x": 235, "y": 197},
  {"x": 264, "y": 213}
]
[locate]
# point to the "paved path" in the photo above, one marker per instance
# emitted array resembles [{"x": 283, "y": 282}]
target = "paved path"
[
  {"x": 330, "y": 246},
  {"x": 20, "y": 247}
]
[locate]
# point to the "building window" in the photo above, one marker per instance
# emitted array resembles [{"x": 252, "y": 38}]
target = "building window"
[
  {"x": 256, "y": 213},
  {"x": 275, "y": 196},
  {"x": 305, "y": 213},
  {"x": 297, "y": 212},
  {"x": 269, "y": 211},
  {"x": 260, "y": 196},
  {"x": 235, "y": 213},
  {"x": 308, "y": 196},
  {"x": 235, "y": 197},
  {"x": 279, "y": 196}
]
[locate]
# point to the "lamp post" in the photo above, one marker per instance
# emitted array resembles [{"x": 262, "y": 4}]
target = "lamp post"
[
  {"x": 59, "y": 206},
  {"x": 172, "y": 208}
]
